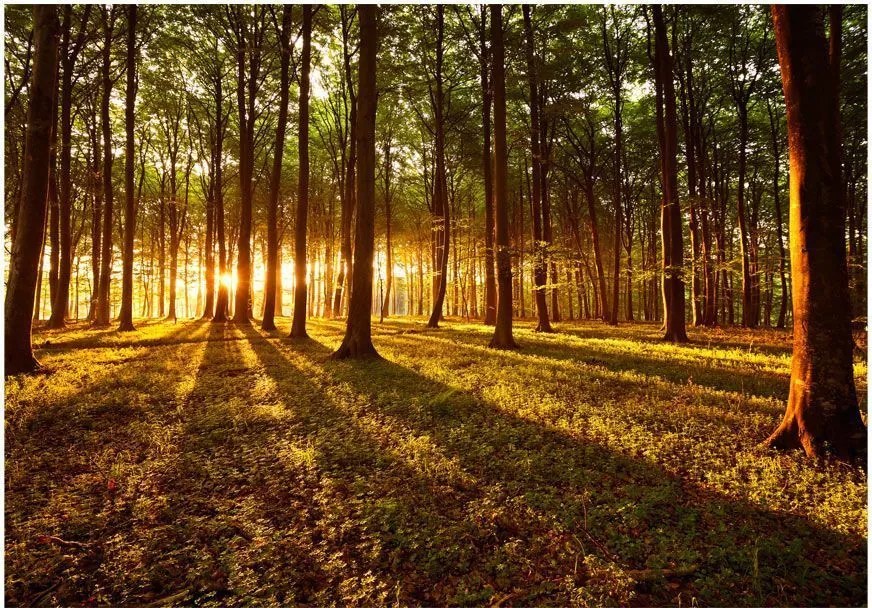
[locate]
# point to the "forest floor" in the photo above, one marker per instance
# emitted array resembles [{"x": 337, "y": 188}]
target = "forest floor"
[{"x": 200, "y": 464}]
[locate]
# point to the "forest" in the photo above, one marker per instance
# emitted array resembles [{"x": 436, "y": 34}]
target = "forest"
[{"x": 435, "y": 305}]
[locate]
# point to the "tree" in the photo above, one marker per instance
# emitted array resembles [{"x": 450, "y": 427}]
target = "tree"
[
  {"x": 503, "y": 329},
  {"x": 69, "y": 52},
  {"x": 298, "y": 326},
  {"x": 441, "y": 212},
  {"x": 822, "y": 414},
  {"x": 126, "y": 315},
  {"x": 27, "y": 246},
  {"x": 667, "y": 127},
  {"x": 108, "y": 17},
  {"x": 490, "y": 282},
  {"x": 357, "y": 343},
  {"x": 272, "y": 231},
  {"x": 540, "y": 268}
]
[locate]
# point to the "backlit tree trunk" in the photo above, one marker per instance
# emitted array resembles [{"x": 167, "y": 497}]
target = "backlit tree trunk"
[
  {"x": 298, "y": 327},
  {"x": 503, "y": 330},
  {"x": 125, "y": 320},
  {"x": 30, "y": 223},
  {"x": 822, "y": 413},
  {"x": 103, "y": 293},
  {"x": 357, "y": 342},
  {"x": 272, "y": 230}
]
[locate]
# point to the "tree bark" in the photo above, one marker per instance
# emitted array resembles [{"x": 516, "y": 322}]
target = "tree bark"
[
  {"x": 673, "y": 246},
  {"x": 822, "y": 413},
  {"x": 126, "y": 314},
  {"x": 30, "y": 223},
  {"x": 490, "y": 282},
  {"x": 103, "y": 294},
  {"x": 540, "y": 269},
  {"x": 503, "y": 330},
  {"x": 357, "y": 342},
  {"x": 440, "y": 199},
  {"x": 298, "y": 326},
  {"x": 272, "y": 231}
]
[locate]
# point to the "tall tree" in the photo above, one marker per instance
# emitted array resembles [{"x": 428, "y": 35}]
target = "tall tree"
[
  {"x": 104, "y": 308},
  {"x": 503, "y": 329},
  {"x": 272, "y": 230},
  {"x": 490, "y": 282},
  {"x": 298, "y": 326},
  {"x": 357, "y": 342},
  {"x": 70, "y": 50},
  {"x": 441, "y": 211},
  {"x": 125, "y": 320},
  {"x": 667, "y": 129},
  {"x": 822, "y": 413},
  {"x": 540, "y": 267},
  {"x": 30, "y": 222}
]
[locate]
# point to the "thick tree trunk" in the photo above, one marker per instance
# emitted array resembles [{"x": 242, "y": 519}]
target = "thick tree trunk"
[
  {"x": 125, "y": 321},
  {"x": 272, "y": 230},
  {"x": 673, "y": 246},
  {"x": 298, "y": 326},
  {"x": 503, "y": 330},
  {"x": 357, "y": 342},
  {"x": 30, "y": 223},
  {"x": 822, "y": 413}
]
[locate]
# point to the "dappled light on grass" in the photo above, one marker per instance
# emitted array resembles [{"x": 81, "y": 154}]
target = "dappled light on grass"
[{"x": 218, "y": 465}]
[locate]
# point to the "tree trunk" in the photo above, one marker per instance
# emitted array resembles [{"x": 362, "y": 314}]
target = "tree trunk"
[
  {"x": 298, "y": 326},
  {"x": 822, "y": 413},
  {"x": 503, "y": 330},
  {"x": 357, "y": 342},
  {"x": 103, "y": 292},
  {"x": 673, "y": 246},
  {"x": 440, "y": 203},
  {"x": 490, "y": 283},
  {"x": 223, "y": 298},
  {"x": 540, "y": 269},
  {"x": 30, "y": 223},
  {"x": 272, "y": 231},
  {"x": 126, "y": 314}
]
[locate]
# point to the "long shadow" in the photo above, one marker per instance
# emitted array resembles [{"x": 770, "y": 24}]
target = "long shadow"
[
  {"x": 758, "y": 382},
  {"x": 545, "y": 484},
  {"x": 74, "y": 448},
  {"x": 644, "y": 514}
]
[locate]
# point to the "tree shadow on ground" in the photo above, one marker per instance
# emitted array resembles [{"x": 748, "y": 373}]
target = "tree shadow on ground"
[
  {"x": 702, "y": 370},
  {"x": 541, "y": 490},
  {"x": 284, "y": 478}
]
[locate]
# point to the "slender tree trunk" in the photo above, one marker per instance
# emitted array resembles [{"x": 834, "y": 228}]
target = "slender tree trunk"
[
  {"x": 540, "y": 270},
  {"x": 30, "y": 223},
  {"x": 126, "y": 315},
  {"x": 822, "y": 413},
  {"x": 272, "y": 231},
  {"x": 298, "y": 327},
  {"x": 673, "y": 246},
  {"x": 103, "y": 294},
  {"x": 490, "y": 284},
  {"x": 357, "y": 342},
  {"x": 503, "y": 330},
  {"x": 223, "y": 299},
  {"x": 440, "y": 202}
]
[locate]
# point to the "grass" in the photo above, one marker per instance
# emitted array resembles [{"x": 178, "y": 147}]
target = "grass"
[{"x": 198, "y": 464}]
